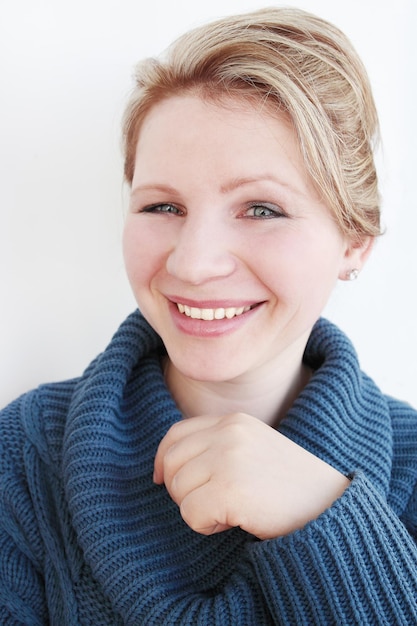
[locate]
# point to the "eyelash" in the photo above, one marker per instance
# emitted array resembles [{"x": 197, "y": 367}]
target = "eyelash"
[
  {"x": 273, "y": 210},
  {"x": 168, "y": 208},
  {"x": 162, "y": 208}
]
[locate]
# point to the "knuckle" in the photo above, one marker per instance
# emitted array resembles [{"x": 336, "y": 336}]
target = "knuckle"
[
  {"x": 169, "y": 462},
  {"x": 173, "y": 433},
  {"x": 234, "y": 442},
  {"x": 188, "y": 513},
  {"x": 175, "y": 488},
  {"x": 196, "y": 516}
]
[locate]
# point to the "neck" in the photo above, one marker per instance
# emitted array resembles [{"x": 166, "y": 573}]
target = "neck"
[{"x": 266, "y": 395}]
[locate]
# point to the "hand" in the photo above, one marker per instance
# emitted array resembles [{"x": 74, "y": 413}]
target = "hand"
[{"x": 235, "y": 470}]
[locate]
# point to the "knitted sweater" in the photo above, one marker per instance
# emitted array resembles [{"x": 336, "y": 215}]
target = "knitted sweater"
[{"x": 86, "y": 537}]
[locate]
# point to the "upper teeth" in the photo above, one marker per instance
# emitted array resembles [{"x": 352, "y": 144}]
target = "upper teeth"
[{"x": 211, "y": 314}]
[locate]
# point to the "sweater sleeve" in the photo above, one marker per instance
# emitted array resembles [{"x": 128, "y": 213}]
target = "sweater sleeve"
[
  {"x": 355, "y": 564},
  {"x": 22, "y": 599}
]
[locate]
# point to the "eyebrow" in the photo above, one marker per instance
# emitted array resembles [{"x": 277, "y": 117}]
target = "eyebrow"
[
  {"x": 235, "y": 183},
  {"x": 155, "y": 187}
]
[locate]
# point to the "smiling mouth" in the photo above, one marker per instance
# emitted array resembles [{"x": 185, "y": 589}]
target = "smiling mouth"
[{"x": 212, "y": 314}]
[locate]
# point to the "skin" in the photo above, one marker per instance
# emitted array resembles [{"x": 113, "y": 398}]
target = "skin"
[{"x": 224, "y": 216}]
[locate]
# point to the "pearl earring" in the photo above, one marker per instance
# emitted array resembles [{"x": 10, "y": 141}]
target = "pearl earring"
[{"x": 352, "y": 274}]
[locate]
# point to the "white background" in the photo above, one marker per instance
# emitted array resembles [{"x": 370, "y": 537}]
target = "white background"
[{"x": 65, "y": 74}]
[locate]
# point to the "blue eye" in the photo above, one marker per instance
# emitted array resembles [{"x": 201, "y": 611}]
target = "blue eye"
[
  {"x": 264, "y": 211},
  {"x": 165, "y": 207}
]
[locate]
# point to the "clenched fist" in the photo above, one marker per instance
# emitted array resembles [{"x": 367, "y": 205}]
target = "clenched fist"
[{"x": 235, "y": 470}]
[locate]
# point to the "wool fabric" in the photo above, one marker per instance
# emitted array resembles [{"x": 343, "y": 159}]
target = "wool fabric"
[{"x": 87, "y": 538}]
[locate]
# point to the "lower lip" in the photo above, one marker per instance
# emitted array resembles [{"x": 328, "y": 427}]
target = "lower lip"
[{"x": 212, "y": 328}]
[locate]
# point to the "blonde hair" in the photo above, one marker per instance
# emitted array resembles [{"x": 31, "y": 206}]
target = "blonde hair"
[{"x": 292, "y": 62}]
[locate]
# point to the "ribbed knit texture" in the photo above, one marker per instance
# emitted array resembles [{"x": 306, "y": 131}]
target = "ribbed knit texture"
[{"x": 87, "y": 538}]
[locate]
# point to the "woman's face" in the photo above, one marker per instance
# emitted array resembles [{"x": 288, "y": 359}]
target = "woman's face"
[{"x": 230, "y": 252}]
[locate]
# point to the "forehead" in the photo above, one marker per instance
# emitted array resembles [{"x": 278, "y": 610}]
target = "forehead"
[
  {"x": 182, "y": 121},
  {"x": 223, "y": 105}
]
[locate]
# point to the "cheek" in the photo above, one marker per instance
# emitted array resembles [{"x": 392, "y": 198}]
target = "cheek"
[
  {"x": 317, "y": 272},
  {"x": 298, "y": 267},
  {"x": 138, "y": 253}
]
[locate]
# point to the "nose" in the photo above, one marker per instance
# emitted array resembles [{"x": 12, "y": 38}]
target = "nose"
[{"x": 202, "y": 251}]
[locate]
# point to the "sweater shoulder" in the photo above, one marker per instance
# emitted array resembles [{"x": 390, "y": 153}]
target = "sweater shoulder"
[
  {"x": 31, "y": 437},
  {"x": 35, "y": 420}
]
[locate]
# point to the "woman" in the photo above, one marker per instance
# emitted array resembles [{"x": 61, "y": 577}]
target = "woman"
[{"x": 225, "y": 460}]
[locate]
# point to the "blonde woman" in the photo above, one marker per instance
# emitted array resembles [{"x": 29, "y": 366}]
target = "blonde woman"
[{"x": 225, "y": 460}]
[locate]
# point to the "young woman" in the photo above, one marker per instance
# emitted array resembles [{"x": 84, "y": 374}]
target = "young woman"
[{"x": 225, "y": 460}]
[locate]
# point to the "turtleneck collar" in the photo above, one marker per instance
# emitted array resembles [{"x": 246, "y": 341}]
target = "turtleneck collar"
[
  {"x": 341, "y": 415},
  {"x": 128, "y": 528}
]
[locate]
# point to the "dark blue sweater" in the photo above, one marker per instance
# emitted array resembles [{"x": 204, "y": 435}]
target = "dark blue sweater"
[{"x": 86, "y": 537}]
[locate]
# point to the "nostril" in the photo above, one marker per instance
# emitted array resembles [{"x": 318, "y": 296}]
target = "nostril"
[{"x": 197, "y": 264}]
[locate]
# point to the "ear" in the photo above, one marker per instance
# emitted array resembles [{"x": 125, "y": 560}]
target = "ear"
[{"x": 356, "y": 255}]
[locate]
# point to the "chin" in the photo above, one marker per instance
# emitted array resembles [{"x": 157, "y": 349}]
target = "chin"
[{"x": 207, "y": 372}]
